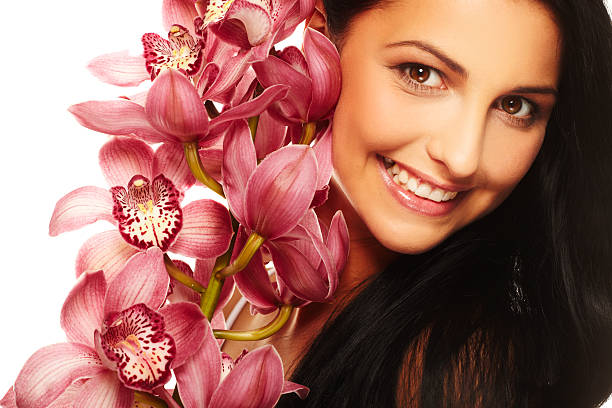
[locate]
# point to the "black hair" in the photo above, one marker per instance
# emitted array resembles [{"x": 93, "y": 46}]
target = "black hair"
[{"x": 514, "y": 310}]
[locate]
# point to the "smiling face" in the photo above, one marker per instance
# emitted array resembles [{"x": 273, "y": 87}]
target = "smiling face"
[{"x": 456, "y": 95}]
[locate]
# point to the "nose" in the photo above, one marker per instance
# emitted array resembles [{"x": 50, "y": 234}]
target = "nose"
[{"x": 458, "y": 143}]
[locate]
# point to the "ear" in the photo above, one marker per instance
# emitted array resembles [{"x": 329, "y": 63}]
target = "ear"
[{"x": 318, "y": 21}]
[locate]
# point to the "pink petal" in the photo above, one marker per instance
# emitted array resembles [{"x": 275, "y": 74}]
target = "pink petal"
[
  {"x": 119, "y": 68},
  {"x": 144, "y": 279},
  {"x": 187, "y": 326},
  {"x": 239, "y": 162},
  {"x": 51, "y": 370},
  {"x": 300, "y": 390},
  {"x": 198, "y": 378},
  {"x": 66, "y": 400},
  {"x": 324, "y": 67},
  {"x": 294, "y": 107},
  {"x": 83, "y": 309},
  {"x": 270, "y": 135},
  {"x": 294, "y": 57},
  {"x": 174, "y": 107},
  {"x": 280, "y": 190},
  {"x": 251, "y": 108},
  {"x": 121, "y": 158},
  {"x": 255, "y": 382},
  {"x": 9, "y": 401},
  {"x": 206, "y": 232},
  {"x": 323, "y": 151},
  {"x": 338, "y": 241},
  {"x": 106, "y": 251},
  {"x": 203, "y": 270},
  {"x": 119, "y": 117},
  {"x": 212, "y": 159},
  {"x": 231, "y": 71},
  {"x": 81, "y": 207},
  {"x": 208, "y": 77},
  {"x": 170, "y": 161},
  {"x": 179, "y": 12},
  {"x": 256, "y": 24},
  {"x": 253, "y": 282},
  {"x": 180, "y": 292},
  {"x": 103, "y": 391}
]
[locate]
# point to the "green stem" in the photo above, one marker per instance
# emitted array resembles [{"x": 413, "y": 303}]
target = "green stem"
[
  {"x": 261, "y": 333},
  {"x": 195, "y": 164},
  {"x": 208, "y": 301},
  {"x": 211, "y": 109},
  {"x": 253, "y": 122},
  {"x": 252, "y": 245},
  {"x": 148, "y": 399},
  {"x": 180, "y": 276},
  {"x": 308, "y": 132}
]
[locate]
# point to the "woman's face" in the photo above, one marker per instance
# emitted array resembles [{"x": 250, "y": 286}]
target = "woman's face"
[{"x": 456, "y": 96}]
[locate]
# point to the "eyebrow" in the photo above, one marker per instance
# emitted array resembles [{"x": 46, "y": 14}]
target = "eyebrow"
[{"x": 460, "y": 70}]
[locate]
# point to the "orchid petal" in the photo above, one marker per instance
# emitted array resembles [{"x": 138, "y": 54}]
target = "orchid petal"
[
  {"x": 239, "y": 162},
  {"x": 294, "y": 57},
  {"x": 338, "y": 241},
  {"x": 324, "y": 67},
  {"x": 186, "y": 324},
  {"x": 294, "y": 107},
  {"x": 50, "y": 370},
  {"x": 255, "y": 382},
  {"x": 66, "y": 399},
  {"x": 102, "y": 391},
  {"x": 212, "y": 160},
  {"x": 256, "y": 24},
  {"x": 122, "y": 157},
  {"x": 208, "y": 77},
  {"x": 118, "y": 117},
  {"x": 323, "y": 151},
  {"x": 169, "y": 160},
  {"x": 83, "y": 310},
  {"x": 9, "y": 399},
  {"x": 179, "y": 12},
  {"x": 270, "y": 135},
  {"x": 253, "y": 107},
  {"x": 81, "y": 207},
  {"x": 198, "y": 378},
  {"x": 106, "y": 251},
  {"x": 203, "y": 270},
  {"x": 174, "y": 107},
  {"x": 119, "y": 68},
  {"x": 144, "y": 279},
  {"x": 253, "y": 281},
  {"x": 301, "y": 390},
  {"x": 136, "y": 341},
  {"x": 206, "y": 232},
  {"x": 280, "y": 190},
  {"x": 230, "y": 72},
  {"x": 180, "y": 292}
]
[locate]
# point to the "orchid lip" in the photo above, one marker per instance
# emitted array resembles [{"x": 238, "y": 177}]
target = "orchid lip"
[{"x": 422, "y": 176}]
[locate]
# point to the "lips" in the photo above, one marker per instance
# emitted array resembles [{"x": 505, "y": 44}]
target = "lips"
[{"x": 429, "y": 199}]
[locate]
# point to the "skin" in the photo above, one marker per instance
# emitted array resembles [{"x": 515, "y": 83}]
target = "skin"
[{"x": 457, "y": 131}]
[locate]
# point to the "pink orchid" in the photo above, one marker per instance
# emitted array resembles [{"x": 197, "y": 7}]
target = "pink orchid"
[
  {"x": 173, "y": 113},
  {"x": 251, "y": 23},
  {"x": 212, "y": 379},
  {"x": 147, "y": 213},
  {"x": 119, "y": 341},
  {"x": 314, "y": 78},
  {"x": 308, "y": 262}
]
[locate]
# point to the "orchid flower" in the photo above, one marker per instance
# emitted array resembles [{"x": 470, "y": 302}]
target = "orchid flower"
[
  {"x": 212, "y": 379},
  {"x": 314, "y": 78},
  {"x": 119, "y": 340},
  {"x": 147, "y": 213}
]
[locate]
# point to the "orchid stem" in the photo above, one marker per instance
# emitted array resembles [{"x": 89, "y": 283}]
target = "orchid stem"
[
  {"x": 182, "y": 277},
  {"x": 150, "y": 400},
  {"x": 250, "y": 248},
  {"x": 211, "y": 109},
  {"x": 253, "y": 122},
  {"x": 209, "y": 300},
  {"x": 195, "y": 164},
  {"x": 262, "y": 333},
  {"x": 308, "y": 132}
]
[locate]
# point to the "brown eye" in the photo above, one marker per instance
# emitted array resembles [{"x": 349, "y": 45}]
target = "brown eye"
[
  {"x": 512, "y": 104},
  {"x": 419, "y": 73}
]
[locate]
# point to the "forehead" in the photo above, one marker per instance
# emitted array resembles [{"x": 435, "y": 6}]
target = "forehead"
[{"x": 517, "y": 38}]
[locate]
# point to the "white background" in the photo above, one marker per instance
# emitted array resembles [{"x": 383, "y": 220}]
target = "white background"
[{"x": 45, "y": 154}]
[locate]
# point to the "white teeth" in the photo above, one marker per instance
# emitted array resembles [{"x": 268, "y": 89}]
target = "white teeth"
[{"x": 422, "y": 189}]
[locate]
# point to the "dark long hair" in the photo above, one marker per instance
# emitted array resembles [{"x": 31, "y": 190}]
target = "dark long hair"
[{"x": 514, "y": 310}]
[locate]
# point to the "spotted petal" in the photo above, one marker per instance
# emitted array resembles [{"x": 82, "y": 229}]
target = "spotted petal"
[
  {"x": 182, "y": 52},
  {"x": 149, "y": 214},
  {"x": 136, "y": 341},
  {"x": 122, "y": 157}
]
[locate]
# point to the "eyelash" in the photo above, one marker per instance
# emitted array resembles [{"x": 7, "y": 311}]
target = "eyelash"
[{"x": 518, "y": 121}]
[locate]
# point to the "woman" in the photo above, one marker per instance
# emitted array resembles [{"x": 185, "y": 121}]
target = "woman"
[{"x": 472, "y": 156}]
